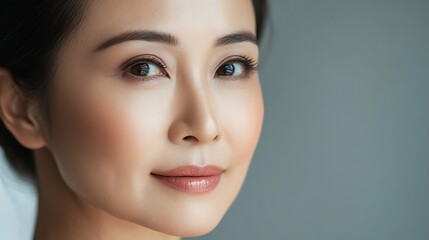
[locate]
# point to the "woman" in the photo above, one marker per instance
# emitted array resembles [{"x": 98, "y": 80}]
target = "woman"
[{"x": 135, "y": 119}]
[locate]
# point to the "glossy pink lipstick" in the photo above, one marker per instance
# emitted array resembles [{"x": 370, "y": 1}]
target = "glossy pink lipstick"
[{"x": 191, "y": 179}]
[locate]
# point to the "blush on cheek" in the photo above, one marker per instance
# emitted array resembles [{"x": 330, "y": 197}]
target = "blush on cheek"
[
  {"x": 94, "y": 150},
  {"x": 87, "y": 131},
  {"x": 244, "y": 124},
  {"x": 252, "y": 129},
  {"x": 110, "y": 133}
]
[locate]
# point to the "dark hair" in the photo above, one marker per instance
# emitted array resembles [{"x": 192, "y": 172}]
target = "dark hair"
[{"x": 32, "y": 32}]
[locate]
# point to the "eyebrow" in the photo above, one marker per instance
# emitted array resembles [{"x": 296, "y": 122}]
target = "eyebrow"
[
  {"x": 237, "y": 38},
  {"x": 154, "y": 36},
  {"x": 150, "y": 36}
]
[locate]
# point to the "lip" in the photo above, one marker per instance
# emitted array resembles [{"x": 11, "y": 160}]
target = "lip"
[{"x": 191, "y": 179}]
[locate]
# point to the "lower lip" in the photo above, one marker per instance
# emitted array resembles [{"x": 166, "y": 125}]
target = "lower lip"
[{"x": 196, "y": 184}]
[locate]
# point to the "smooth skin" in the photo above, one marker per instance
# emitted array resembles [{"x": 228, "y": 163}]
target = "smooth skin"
[{"x": 111, "y": 125}]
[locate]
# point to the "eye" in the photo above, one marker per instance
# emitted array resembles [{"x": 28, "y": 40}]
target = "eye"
[
  {"x": 231, "y": 69},
  {"x": 237, "y": 68},
  {"x": 145, "y": 68}
]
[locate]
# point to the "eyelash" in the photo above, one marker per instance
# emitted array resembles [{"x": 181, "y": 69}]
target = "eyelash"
[{"x": 250, "y": 66}]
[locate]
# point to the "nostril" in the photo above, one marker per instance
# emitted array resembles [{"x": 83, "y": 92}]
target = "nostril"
[
  {"x": 190, "y": 138},
  {"x": 194, "y": 139}
]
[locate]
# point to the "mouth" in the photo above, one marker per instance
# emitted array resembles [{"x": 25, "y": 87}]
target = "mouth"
[{"x": 191, "y": 179}]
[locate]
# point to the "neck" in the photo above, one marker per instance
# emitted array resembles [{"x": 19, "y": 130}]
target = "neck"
[{"x": 62, "y": 214}]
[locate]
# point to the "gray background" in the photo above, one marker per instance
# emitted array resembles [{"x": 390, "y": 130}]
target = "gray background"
[{"x": 344, "y": 152}]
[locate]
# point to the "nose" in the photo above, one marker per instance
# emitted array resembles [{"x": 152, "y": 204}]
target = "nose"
[{"x": 195, "y": 119}]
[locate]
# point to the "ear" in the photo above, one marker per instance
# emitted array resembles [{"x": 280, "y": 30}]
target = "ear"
[{"x": 19, "y": 113}]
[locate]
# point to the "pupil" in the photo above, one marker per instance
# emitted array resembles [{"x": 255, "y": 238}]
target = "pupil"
[
  {"x": 228, "y": 69},
  {"x": 141, "y": 69}
]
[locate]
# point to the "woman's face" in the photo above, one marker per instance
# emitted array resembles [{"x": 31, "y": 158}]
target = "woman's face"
[{"x": 176, "y": 88}]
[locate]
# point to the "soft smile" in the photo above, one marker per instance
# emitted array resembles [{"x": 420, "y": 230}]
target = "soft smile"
[{"x": 191, "y": 179}]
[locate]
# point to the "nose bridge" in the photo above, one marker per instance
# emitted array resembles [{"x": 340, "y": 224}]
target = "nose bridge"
[{"x": 196, "y": 119}]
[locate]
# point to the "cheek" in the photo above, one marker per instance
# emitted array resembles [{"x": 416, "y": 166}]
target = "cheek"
[
  {"x": 102, "y": 141},
  {"x": 95, "y": 125},
  {"x": 243, "y": 117}
]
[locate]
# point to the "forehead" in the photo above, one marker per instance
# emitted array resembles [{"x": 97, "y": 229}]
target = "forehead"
[{"x": 186, "y": 19}]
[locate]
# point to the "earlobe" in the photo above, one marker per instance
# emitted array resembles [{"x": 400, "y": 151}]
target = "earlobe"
[{"x": 17, "y": 114}]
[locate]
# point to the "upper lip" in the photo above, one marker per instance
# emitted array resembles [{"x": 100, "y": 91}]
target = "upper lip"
[{"x": 191, "y": 171}]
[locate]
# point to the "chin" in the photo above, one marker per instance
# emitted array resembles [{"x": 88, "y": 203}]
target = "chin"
[
  {"x": 200, "y": 223},
  {"x": 186, "y": 228},
  {"x": 192, "y": 220},
  {"x": 195, "y": 231}
]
